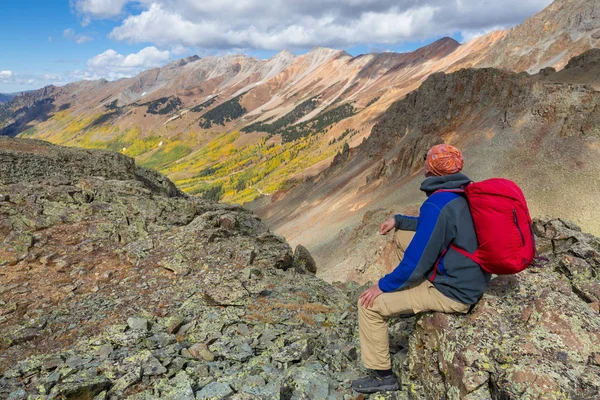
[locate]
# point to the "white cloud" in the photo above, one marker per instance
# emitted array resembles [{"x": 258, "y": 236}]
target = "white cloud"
[
  {"x": 179, "y": 50},
  {"x": 100, "y": 8},
  {"x": 112, "y": 65},
  {"x": 304, "y": 31},
  {"x": 109, "y": 65},
  {"x": 6, "y": 74},
  {"x": 76, "y": 37},
  {"x": 278, "y": 24},
  {"x": 13, "y": 80},
  {"x": 83, "y": 39}
]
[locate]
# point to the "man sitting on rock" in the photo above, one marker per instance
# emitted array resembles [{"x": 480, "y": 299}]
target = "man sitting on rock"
[{"x": 431, "y": 276}]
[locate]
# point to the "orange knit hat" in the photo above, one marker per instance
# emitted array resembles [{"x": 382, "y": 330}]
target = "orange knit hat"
[{"x": 444, "y": 159}]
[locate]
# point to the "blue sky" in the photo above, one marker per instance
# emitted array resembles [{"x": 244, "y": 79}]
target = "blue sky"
[
  {"x": 59, "y": 41},
  {"x": 33, "y": 43}
]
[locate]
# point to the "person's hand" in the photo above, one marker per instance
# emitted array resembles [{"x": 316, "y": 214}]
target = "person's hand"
[
  {"x": 367, "y": 298},
  {"x": 387, "y": 226}
]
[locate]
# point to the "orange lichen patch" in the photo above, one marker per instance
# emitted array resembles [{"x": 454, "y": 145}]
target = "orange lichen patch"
[
  {"x": 306, "y": 318},
  {"x": 542, "y": 384},
  {"x": 303, "y": 295},
  {"x": 263, "y": 310},
  {"x": 594, "y": 146},
  {"x": 308, "y": 307},
  {"x": 260, "y": 317},
  {"x": 26, "y": 147}
]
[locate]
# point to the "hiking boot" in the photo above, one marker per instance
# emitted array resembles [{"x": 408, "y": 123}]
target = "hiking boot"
[{"x": 375, "y": 383}]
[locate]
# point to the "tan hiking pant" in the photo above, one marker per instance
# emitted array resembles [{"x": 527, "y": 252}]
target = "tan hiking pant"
[
  {"x": 402, "y": 240},
  {"x": 373, "y": 328}
]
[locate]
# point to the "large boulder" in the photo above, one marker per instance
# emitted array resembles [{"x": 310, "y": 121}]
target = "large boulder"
[
  {"x": 304, "y": 259},
  {"x": 533, "y": 335}
]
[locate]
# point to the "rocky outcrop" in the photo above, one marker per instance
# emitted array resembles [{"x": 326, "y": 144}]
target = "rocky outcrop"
[
  {"x": 533, "y": 335},
  {"x": 302, "y": 256},
  {"x": 36, "y": 160},
  {"x": 447, "y": 105},
  {"x": 111, "y": 289}
]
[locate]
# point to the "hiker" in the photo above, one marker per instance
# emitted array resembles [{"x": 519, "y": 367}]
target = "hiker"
[{"x": 432, "y": 276}]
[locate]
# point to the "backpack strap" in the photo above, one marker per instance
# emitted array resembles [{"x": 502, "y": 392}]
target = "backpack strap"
[
  {"x": 452, "y": 245},
  {"x": 465, "y": 253},
  {"x": 456, "y": 191},
  {"x": 450, "y": 190},
  {"x": 435, "y": 267}
]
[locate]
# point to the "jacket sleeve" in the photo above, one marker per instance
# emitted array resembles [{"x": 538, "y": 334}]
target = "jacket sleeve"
[
  {"x": 433, "y": 234},
  {"x": 405, "y": 223}
]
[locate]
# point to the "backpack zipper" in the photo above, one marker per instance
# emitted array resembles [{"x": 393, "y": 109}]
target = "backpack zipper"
[{"x": 518, "y": 228}]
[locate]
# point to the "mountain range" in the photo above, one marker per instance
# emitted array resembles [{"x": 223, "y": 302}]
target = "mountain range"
[
  {"x": 151, "y": 293},
  {"x": 4, "y": 97},
  {"x": 322, "y": 137}
]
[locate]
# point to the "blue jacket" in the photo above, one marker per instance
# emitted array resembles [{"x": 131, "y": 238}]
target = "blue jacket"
[{"x": 444, "y": 219}]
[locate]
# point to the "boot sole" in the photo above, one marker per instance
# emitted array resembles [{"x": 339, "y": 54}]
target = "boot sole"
[{"x": 386, "y": 388}]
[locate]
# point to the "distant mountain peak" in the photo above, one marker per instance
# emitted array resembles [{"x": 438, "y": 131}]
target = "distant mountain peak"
[
  {"x": 443, "y": 43},
  {"x": 562, "y": 30},
  {"x": 324, "y": 51},
  {"x": 282, "y": 56},
  {"x": 321, "y": 54},
  {"x": 446, "y": 39},
  {"x": 440, "y": 48},
  {"x": 182, "y": 61},
  {"x": 284, "y": 53}
]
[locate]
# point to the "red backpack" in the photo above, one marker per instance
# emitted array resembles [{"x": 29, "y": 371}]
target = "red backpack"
[{"x": 502, "y": 224}]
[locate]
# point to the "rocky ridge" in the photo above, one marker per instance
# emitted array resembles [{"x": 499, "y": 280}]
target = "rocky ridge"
[
  {"x": 110, "y": 285},
  {"x": 412, "y": 125},
  {"x": 146, "y": 296},
  {"x": 6, "y": 97},
  {"x": 535, "y": 335},
  {"x": 565, "y": 29}
]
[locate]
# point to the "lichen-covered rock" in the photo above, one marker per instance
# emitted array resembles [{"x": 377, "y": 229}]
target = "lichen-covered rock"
[
  {"x": 303, "y": 257},
  {"x": 111, "y": 289},
  {"x": 214, "y": 391},
  {"x": 23, "y": 160},
  {"x": 306, "y": 383},
  {"x": 178, "y": 388},
  {"x": 296, "y": 351},
  {"x": 85, "y": 389},
  {"x": 139, "y": 324},
  {"x": 532, "y": 335}
]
